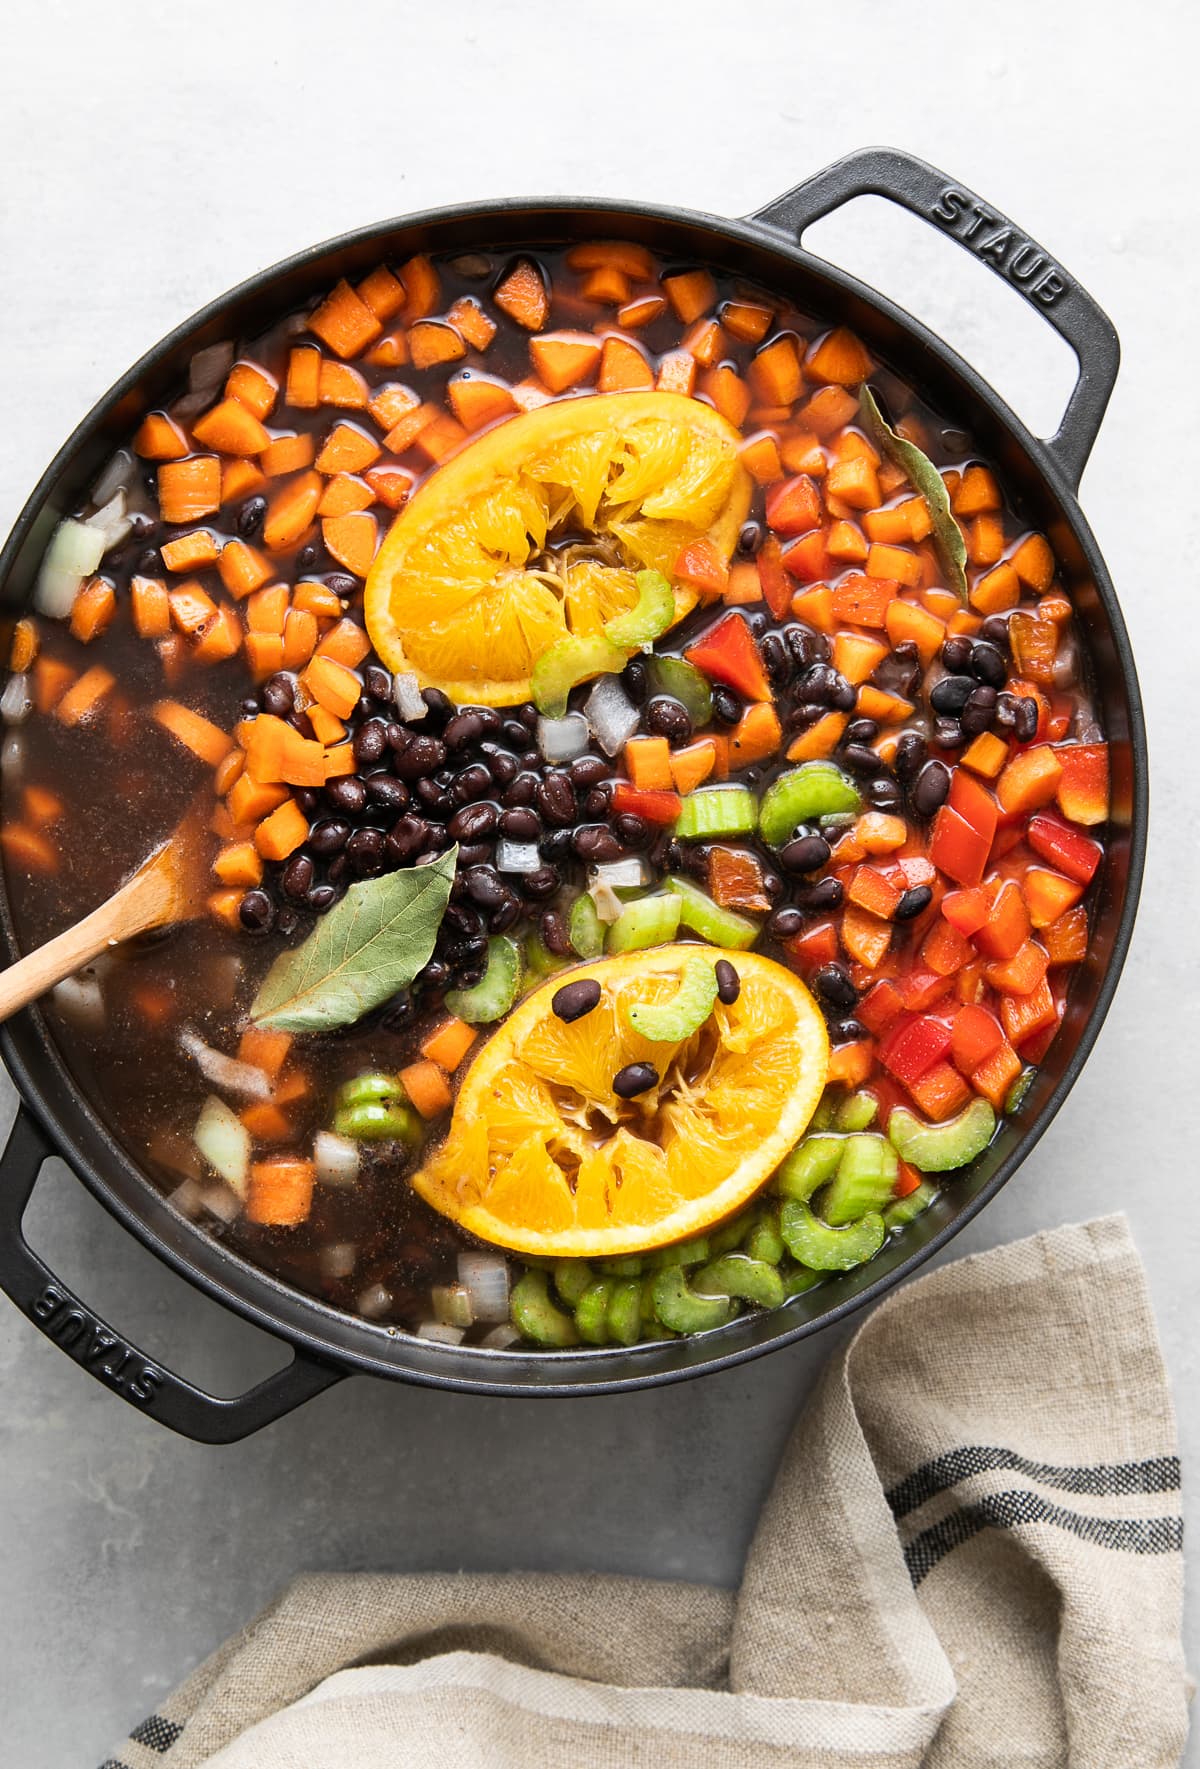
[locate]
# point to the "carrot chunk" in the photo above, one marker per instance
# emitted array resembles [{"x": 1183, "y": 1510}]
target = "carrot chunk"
[
  {"x": 242, "y": 569},
  {"x": 522, "y": 295},
  {"x": 219, "y": 638},
  {"x": 151, "y": 609},
  {"x": 422, "y": 289},
  {"x": 291, "y": 509},
  {"x": 691, "y": 294},
  {"x": 239, "y": 864},
  {"x": 252, "y": 387},
  {"x": 266, "y": 609},
  {"x": 188, "y": 490},
  {"x": 287, "y": 454},
  {"x": 93, "y": 610},
  {"x": 200, "y": 735},
  {"x": 746, "y": 320},
  {"x": 191, "y": 607},
  {"x": 676, "y": 373},
  {"x": 28, "y": 849},
  {"x": 251, "y": 800},
  {"x": 280, "y": 1193},
  {"x": 468, "y": 317},
  {"x": 159, "y": 438},
  {"x": 449, "y": 1043},
  {"x": 563, "y": 359},
  {"x": 478, "y": 399},
  {"x": 189, "y": 552},
  {"x": 232, "y": 429},
  {"x": 282, "y": 832},
  {"x": 352, "y": 540},
  {"x": 775, "y": 373},
  {"x": 304, "y": 377},
  {"x": 347, "y": 450},
  {"x": 839, "y": 357},
  {"x": 624, "y": 367},
  {"x": 382, "y": 293},
  {"x": 339, "y": 384},
  {"x": 344, "y": 322},
  {"x": 427, "y": 1087},
  {"x": 331, "y": 683}
]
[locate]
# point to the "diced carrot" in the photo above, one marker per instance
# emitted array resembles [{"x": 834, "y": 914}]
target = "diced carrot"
[
  {"x": 1033, "y": 562},
  {"x": 676, "y": 372},
  {"x": 84, "y": 694},
  {"x": 303, "y": 387},
  {"x": 327, "y": 729},
  {"x": 287, "y": 454},
  {"x": 885, "y": 709},
  {"x": 840, "y": 357},
  {"x": 251, "y": 800},
  {"x": 339, "y": 384},
  {"x": 1034, "y": 647},
  {"x": 879, "y": 833},
  {"x": 1049, "y": 896},
  {"x": 944, "y": 950},
  {"x": 606, "y": 285},
  {"x": 743, "y": 583},
  {"x": 93, "y": 610},
  {"x": 815, "y": 607},
  {"x": 434, "y": 341},
  {"x": 623, "y": 366},
  {"x": 440, "y": 438},
  {"x": 264, "y": 654},
  {"x": 344, "y": 494},
  {"x": 24, "y": 646},
  {"x": 1067, "y": 938},
  {"x": 41, "y": 805},
  {"x": 330, "y": 682},
  {"x": 265, "y": 1049},
  {"x": 563, "y": 359},
  {"x": 691, "y": 294},
  {"x": 1030, "y": 780},
  {"x": 344, "y": 322},
  {"x": 227, "y": 771},
  {"x": 345, "y": 643},
  {"x": 704, "y": 342},
  {"x": 635, "y": 261},
  {"x": 940, "y": 1092},
  {"x": 426, "y": 1086},
  {"x": 855, "y": 656},
  {"x": 347, "y": 449},
  {"x": 291, "y": 509},
  {"x": 391, "y": 485},
  {"x": 691, "y": 766},
  {"x": 339, "y": 760},
  {"x": 225, "y": 907},
  {"x": 468, "y": 317},
  {"x": 189, "y": 552},
  {"x": 200, "y": 735},
  {"x": 172, "y": 657},
  {"x": 191, "y": 607},
  {"x": 872, "y": 890},
  {"x": 985, "y": 540},
  {"x": 906, "y": 622},
  {"x": 746, "y": 320},
  {"x": 865, "y": 936},
  {"x": 895, "y": 563},
  {"x": 239, "y": 864},
  {"x": 648, "y": 763},
  {"x": 317, "y": 599},
  {"x": 862, "y": 600},
  {"x": 422, "y": 289},
  {"x": 276, "y": 753},
  {"x": 845, "y": 541},
  {"x": 756, "y": 735},
  {"x": 642, "y": 311},
  {"x": 775, "y": 372},
  {"x": 280, "y": 1192},
  {"x": 299, "y": 639},
  {"x": 479, "y": 399},
  {"x": 188, "y": 490},
  {"x": 1023, "y": 1016},
  {"x": 51, "y": 679},
  {"x": 760, "y": 455},
  {"x": 220, "y": 637},
  {"x": 854, "y": 482},
  {"x": 802, "y": 453},
  {"x": 252, "y": 387},
  {"x": 267, "y": 609},
  {"x": 155, "y": 1002},
  {"x": 159, "y": 438},
  {"x": 449, "y": 1043},
  {"x": 281, "y": 833},
  {"x": 851, "y": 1064},
  {"x": 27, "y": 849},
  {"x": 522, "y": 295},
  {"x": 976, "y": 492},
  {"x": 240, "y": 478},
  {"x": 986, "y": 755},
  {"x": 996, "y": 591},
  {"x": 820, "y": 739},
  {"x": 735, "y": 880},
  {"x": 828, "y": 410},
  {"x": 232, "y": 429}
]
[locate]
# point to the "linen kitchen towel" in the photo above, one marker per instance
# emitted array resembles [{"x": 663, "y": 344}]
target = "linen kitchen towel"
[{"x": 971, "y": 1556}]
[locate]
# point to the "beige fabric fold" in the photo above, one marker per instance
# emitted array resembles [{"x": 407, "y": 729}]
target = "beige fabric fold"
[{"x": 970, "y": 1557}]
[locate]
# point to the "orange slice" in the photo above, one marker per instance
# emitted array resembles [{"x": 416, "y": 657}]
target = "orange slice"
[{"x": 543, "y": 1157}]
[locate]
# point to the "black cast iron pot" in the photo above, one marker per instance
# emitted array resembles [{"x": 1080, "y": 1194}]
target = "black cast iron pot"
[{"x": 764, "y": 247}]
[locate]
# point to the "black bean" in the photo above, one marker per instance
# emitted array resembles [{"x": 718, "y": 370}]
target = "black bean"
[
  {"x": 407, "y": 840},
  {"x": 671, "y": 857},
  {"x": 913, "y": 903},
  {"x": 391, "y": 795},
  {"x": 370, "y": 742},
  {"x": 727, "y": 708},
  {"x": 434, "y": 800},
  {"x": 884, "y": 794},
  {"x": 555, "y": 798},
  {"x": 773, "y": 884},
  {"x": 473, "y": 823},
  {"x": 947, "y": 733},
  {"x": 513, "y": 732},
  {"x": 399, "y": 736},
  {"x": 832, "y": 983},
  {"x": 436, "y": 976},
  {"x": 465, "y": 727},
  {"x": 632, "y": 831},
  {"x": 911, "y": 752},
  {"x": 846, "y": 1031},
  {"x": 667, "y": 717},
  {"x": 463, "y": 918},
  {"x": 574, "y": 1000},
  {"x": 800, "y": 717},
  {"x": 421, "y": 755},
  {"x": 338, "y": 869},
  {"x": 520, "y": 824},
  {"x": 520, "y": 790},
  {"x": 506, "y": 913},
  {"x": 377, "y": 681},
  {"x": 695, "y": 860},
  {"x": 256, "y": 912},
  {"x": 441, "y": 707},
  {"x": 1006, "y": 710},
  {"x": 542, "y": 882},
  {"x": 296, "y": 878},
  {"x": 861, "y": 760},
  {"x": 471, "y": 783},
  {"x": 956, "y": 653},
  {"x": 347, "y": 794},
  {"x": 825, "y": 895},
  {"x": 299, "y": 721},
  {"x": 1025, "y": 728},
  {"x": 341, "y": 583},
  {"x": 531, "y": 759},
  {"x": 635, "y": 679},
  {"x": 777, "y": 658},
  {"x": 503, "y": 766},
  {"x": 365, "y": 851},
  {"x": 307, "y": 557},
  {"x": 987, "y": 664},
  {"x": 596, "y": 843},
  {"x": 860, "y": 731},
  {"x": 817, "y": 684},
  {"x": 588, "y": 771},
  {"x": 844, "y": 697},
  {"x": 783, "y": 923},
  {"x": 805, "y": 854},
  {"x": 322, "y": 897},
  {"x": 528, "y": 715},
  {"x": 750, "y": 538},
  {"x": 250, "y": 709},
  {"x": 307, "y": 797},
  {"x": 553, "y": 929},
  {"x": 491, "y": 721},
  {"x": 557, "y": 844},
  {"x": 994, "y": 631},
  {"x": 799, "y": 641},
  {"x": 399, "y": 1012},
  {"x": 250, "y": 516},
  {"x": 278, "y": 695},
  {"x": 930, "y": 788},
  {"x": 979, "y": 710},
  {"x": 475, "y": 853},
  {"x": 729, "y": 984},
  {"x": 485, "y": 886},
  {"x": 949, "y": 696},
  {"x": 633, "y": 1079}
]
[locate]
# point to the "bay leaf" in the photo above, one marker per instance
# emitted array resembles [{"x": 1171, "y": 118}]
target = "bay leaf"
[
  {"x": 368, "y": 946},
  {"x": 947, "y": 535}
]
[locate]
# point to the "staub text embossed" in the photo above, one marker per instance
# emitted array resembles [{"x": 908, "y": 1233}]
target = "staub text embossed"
[
  {"x": 95, "y": 1346},
  {"x": 989, "y": 236}
]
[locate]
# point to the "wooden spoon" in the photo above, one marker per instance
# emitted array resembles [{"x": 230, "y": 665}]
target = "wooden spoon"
[{"x": 170, "y": 886}]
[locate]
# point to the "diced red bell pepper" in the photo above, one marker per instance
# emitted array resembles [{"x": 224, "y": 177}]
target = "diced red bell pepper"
[
  {"x": 974, "y": 1035},
  {"x": 1009, "y": 835},
  {"x": 655, "y": 807},
  {"x": 700, "y": 565},
  {"x": 907, "y": 1180},
  {"x": 1067, "y": 938},
  {"x": 957, "y": 849},
  {"x": 1049, "y": 895},
  {"x": 862, "y": 601},
  {"x": 776, "y": 584},
  {"x": 966, "y": 910},
  {"x": 1007, "y": 926},
  {"x": 913, "y": 1046},
  {"x": 735, "y": 879},
  {"x": 816, "y": 946},
  {"x": 1035, "y": 1048},
  {"x": 728, "y": 653},
  {"x": 1075, "y": 854},
  {"x": 940, "y": 1092},
  {"x": 793, "y": 506},
  {"x": 1024, "y": 1015},
  {"x": 808, "y": 558},
  {"x": 1083, "y": 789},
  {"x": 996, "y": 1074},
  {"x": 970, "y": 984},
  {"x": 873, "y": 891},
  {"x": 1020, "y": 974},
  {"x": 879, "y": 1006},
  {"x": 944, "y": 950},
  {"x": 916, "y": 869},
  {"x": 919, "y": 989},
  {"x": 973, "y": 802}
]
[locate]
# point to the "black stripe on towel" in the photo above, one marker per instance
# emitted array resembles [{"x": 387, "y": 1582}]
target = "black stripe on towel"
[
  {"x": 156, "y": 1734},
  {"x": 1128, "y": 1535},
  {"x": 1160, "y": 1474}
]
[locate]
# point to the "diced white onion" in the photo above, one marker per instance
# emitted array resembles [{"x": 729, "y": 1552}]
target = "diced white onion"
[
  {"x": 440, "y": 1333},
  {"x": 501, "y": 1338},
  {"x": 410, "y": 702},
  {"x": 209, "y": 367},
  {"x": 16, "y": 702},
  {"x": 225, "y": 1072},
  {"x": 374, "y": 1302},
  {"x": 611, "y": 715},
  {"x": 112, "y": 521},
  {"x": 517, "y": 856},
  {"x": 452, "y": 1305},
  {"x": 222, "y": 1202},
  {"x": 561, "y": 740},
  {"x": 629, "y": 874},
  {"x": 608, "y": 904},
  {"x": 80, "y": 1000},
  {"x": 75, "y": 550},
  {"x": 12, "y": 758},
  {"x": 115, "y": 477},
  {"x": 336, "y": 1158},
  {"x": 485, "y": 1278},
  {"x": 187, "y": 1198},
  {"x": 337, "y": 1261},
  {"x": 224, "y": 1141}
]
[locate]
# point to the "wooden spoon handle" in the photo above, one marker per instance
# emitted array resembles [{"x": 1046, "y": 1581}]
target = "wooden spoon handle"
[{"x": 136, "y": 907}]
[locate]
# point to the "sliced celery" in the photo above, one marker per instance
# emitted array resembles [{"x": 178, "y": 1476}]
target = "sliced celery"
[
  {"x": 817, "y": 1244},
  {"x": 629, "y": 1265},
  {"x": 814, "y": 789},
  {"x": 764, "y": 1240},
  {"x": 568, "y": 662},
  {"x": 679, "y": 1307},
  {"x": 856, "y": 1112},
  {"x": 936, "y": 1148},
  {"x": 905, "y": 1209},
  {"x": 730, "y": 1234},
  {"x": 649, "y": 618},
  {"x": 865, "y": 1179},
  {"x": 535, "y": 1316},
  {"x": 571, "y": 1278},
  {"x": 693, "y": 1252},
  {"x": 716, "y": 810},
  {"x": 624, "y": 1321},
  {"x": 798, "y": 1279},
  {"x": 812, "y": 1163},
  {"x": 651, "y": 921},
  {"x": 377, "y": 1120},
  {"x": 738, "y": 1275},
  {"x": 492, "y": 996},
  {"x": 591, "y": 1312},
  {"x": 683, "y": 682},
  {"x": 1019, "y": 1089},
  {"x": 668, "y": 1022},
  {"x": 585, "y": 930},
  {"x": 720, "y": 927},
  {"x": 822, "y": 1118}
]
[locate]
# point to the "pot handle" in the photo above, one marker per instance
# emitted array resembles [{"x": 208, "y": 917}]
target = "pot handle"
[
  {"x": 79, "y": 1331},
  {"x": 981, "y": 229}
]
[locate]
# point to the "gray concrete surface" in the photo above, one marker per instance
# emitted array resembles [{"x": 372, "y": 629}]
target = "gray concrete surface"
[{"x": 154, "y": 155}]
